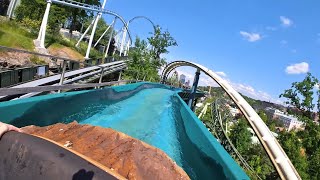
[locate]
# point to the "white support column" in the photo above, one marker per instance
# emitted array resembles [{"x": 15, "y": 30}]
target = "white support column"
[
  {"x": 92, "y": 36},
  {"x": 64, "y": 66},
  {"x": 85, "y": 32},
  {"x": 94, "y": 30},
  {"x": 42, "y": 31},
  {"x": 101, "y": 76},
  {"x": 126, "y": 51},
  {"x": 104, "y": 33},
  {"x": 119, "y": 79},
  {"x": 124, "y": 35},
  {"x": 110, "y": 38},
  {"x": 11, "y": 8}
]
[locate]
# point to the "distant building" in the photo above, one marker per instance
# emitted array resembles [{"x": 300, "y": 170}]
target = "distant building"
[
  {"x": 234, "y": 111},
  {"x": 290, "y": 122},
  {"x": 182, "y": 78},
  {"x": 187, "y": 83},
  {"x": 273, "y": 113}
]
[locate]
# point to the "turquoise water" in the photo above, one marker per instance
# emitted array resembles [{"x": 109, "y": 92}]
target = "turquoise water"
[
  {"x": 151, "y": 112},
  {"x": 146, "y": 116}
]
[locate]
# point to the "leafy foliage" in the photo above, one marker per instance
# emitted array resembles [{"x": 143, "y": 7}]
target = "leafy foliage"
[
  {"x": 33, "y": 10},
  {"x": 33, "y": 25},
  {"x": 294, "y": 150},
  {"x": 146, "y": 63},
  {"x": 303, "y": 147},
  {"x": 301, "y": 94},
  {"x": 253, "y": 154},
  {"x": 263, "y": 116},
  {"x": 78, "y": 16},
  {"x": 160, "y": 42},
  {"x": 314, "y": 164},
  {"x": 240, "y": 136},
  {"x": 101, "y": 27}
]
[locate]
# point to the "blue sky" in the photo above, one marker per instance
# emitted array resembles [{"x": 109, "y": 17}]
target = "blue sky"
[{"x": 260, "y": 46}]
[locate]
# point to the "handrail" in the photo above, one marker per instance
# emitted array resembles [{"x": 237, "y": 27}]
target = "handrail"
[
  {"x": 25, "y": 90},
  {"x": 82, "y": 73}
]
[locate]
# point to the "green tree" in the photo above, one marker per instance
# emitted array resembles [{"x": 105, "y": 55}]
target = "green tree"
[
  {"x": 303, "y": 145},
  {"x": 78, "y": 16},
  {"x": 240, "y": 136},
  {"x": 4, "y": 4},
  {"x": 311, "y": 137},
  {"x": 301, "y": 95},
  {"x": 160, "y": 42},
  {"x": 34, "y": 10},
  {"x": 259, "y": 161},
  {"x": 263, "y": 116},
  {"x": 145, "y": 63},
  {"x": 142, "y": 64},
  {"x": 295, "y": 151},
  {"x": 101, "y": 27},
  {"x": 314, "y": 165}
]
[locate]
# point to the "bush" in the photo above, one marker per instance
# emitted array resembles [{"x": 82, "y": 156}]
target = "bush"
[{"x": 33, "y": 25}]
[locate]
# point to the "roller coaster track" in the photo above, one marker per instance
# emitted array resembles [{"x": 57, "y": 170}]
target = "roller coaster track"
[
  {"x": 220, "y": 116},
  {"x": 275, "y": 152},
  {"x": 93, "y": 8}
]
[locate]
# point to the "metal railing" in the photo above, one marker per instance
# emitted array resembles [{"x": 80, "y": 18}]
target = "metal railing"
[
  {"x": 16, "y": 91},
  {"x": 64, "y": 76}
]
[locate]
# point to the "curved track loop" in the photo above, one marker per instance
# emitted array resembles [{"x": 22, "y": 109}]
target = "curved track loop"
[
  {"x": 93, "y": 8},
  {"x": 144, "y": 17},
  {"x": 278, "y": 157}
]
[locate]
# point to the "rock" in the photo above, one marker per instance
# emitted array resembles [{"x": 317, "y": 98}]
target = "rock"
[{"x": 130, "y": 157}]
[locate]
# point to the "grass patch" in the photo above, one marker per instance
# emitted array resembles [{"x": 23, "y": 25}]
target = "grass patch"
[
  {"x": 12, "y": 35},
  {"x": 58, "y": 49},
  {"x": 36, "y": 60},
  {"x": 82, "y": 49}
]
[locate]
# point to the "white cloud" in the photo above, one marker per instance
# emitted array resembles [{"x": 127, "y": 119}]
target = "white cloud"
[
  {"x": 286, "y": 22},
  {"x": 271, "y": 28},
  {"x": 299, "y": 68},
  {"x": 189, "y": 76},
  {"x": 240, "y": 87},
  {"x": 207, "y": 81},
  {"x": 294, "y": 51},
  {"x": 251, "y": 37},
  {"x": 317, "y": 86},
  {"x": 283, "y": 42},
  {"x": 253, "y": 93},
  {"x": 220, "y": 73}
]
